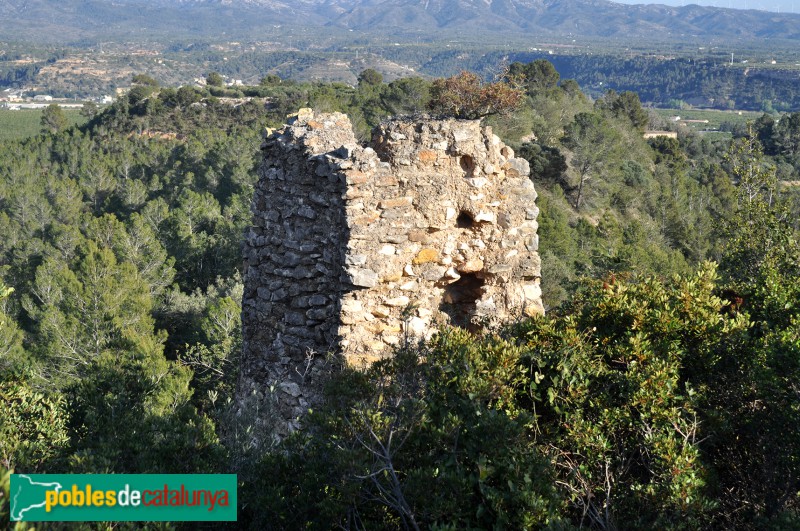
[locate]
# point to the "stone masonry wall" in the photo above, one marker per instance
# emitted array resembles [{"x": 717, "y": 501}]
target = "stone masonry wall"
[{"x": 354, "y": 250}]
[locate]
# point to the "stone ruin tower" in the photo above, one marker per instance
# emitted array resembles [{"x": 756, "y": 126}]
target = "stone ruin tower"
[{"x": 354, "y": 250}]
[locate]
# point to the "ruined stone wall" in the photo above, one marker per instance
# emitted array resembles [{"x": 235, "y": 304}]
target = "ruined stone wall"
[{"x": 354, "y": 249}]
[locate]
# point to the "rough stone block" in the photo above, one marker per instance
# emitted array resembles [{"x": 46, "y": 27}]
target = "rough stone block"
[
  {"x": 396, "y": 202},
  {"x": 472, "y": 265},
  {"x": 425, "y": 256},
  {"x": 398, "y": 301},
  {"x": 365, "y": 278},
  {"x": 428, "y": 156}
]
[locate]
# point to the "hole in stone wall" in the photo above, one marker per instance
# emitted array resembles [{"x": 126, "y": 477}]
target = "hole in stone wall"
[
  {"x": 459, "y": 299},
  {"x": 464, "y": 220},
  {"x": 467, "y": 164}
]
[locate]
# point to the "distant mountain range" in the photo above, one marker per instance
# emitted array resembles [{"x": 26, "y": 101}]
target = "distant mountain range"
[{"x": 73, "y": 20}]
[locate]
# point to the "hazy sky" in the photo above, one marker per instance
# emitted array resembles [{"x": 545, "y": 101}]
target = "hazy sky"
[{"x": 784, "y": 6}]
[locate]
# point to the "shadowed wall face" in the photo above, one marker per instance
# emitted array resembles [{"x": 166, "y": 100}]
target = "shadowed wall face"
[{"x": 355, "y": 250}]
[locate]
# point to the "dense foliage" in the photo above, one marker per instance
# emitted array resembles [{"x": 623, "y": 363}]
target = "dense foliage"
[{"x": 659, "y": 392}]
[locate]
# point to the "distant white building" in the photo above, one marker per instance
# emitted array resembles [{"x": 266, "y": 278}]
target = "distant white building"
[{"x": 43, "y": 97}]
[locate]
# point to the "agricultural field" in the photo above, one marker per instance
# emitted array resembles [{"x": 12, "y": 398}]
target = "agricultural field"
[
  {"x": 715, "y": 117},
  {"x": 15, "y": 125}
]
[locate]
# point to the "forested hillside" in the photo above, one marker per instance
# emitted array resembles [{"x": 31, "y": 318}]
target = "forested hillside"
[
  {"x": 126, "y": 20},
  {"x": 660, "y": 391}
]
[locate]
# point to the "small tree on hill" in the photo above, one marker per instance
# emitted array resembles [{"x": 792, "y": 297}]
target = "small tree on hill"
[
  {"x": 594, "y": 146},
  {"x": 625, "y": 105},
  {"x": 537, "y": 77},
  {"x": 144, "y": 79},
  {"x": 215, "y": 80},
  {"x": 89, "y": 110},
  {"x": 755, "y": 178},
  {"x": 467, "y": 96},
  {"x": 271, "y": 79},
  {"x": 370, "y": 77},
  {"x": 53, "y": 119}
]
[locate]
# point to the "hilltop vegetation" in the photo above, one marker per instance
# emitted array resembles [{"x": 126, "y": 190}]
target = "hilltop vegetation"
[{"x": 659, "y": 392}]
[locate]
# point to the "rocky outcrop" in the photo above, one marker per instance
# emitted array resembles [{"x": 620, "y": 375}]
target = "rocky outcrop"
[{"x": 355, "y": 250}]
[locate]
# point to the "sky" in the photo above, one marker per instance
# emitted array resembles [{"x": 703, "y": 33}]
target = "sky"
[{"x": 784, "y": 6}]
